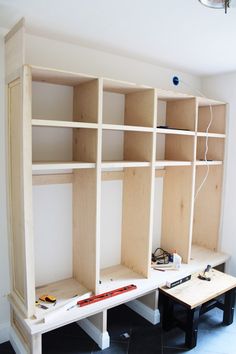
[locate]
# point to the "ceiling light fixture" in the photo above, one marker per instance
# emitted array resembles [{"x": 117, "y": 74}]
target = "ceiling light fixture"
[{"x": 216, "y": 4}]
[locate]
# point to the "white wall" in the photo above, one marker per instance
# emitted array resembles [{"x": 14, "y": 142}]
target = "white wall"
[
  {"x": 223, "y": 87},
  {"x": 4, "y": 266},
  {"x": 51, "y": 53},
  {"x": 66, "y": 56}
]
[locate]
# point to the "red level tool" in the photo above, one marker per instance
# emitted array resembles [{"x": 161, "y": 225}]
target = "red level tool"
[{"x": 100, "y": 297}]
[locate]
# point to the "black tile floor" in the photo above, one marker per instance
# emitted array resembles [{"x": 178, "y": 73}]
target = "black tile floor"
[{"x": 144, "y": 338}]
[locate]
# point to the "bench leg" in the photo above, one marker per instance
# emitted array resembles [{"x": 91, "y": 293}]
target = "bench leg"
[
  {"x": 192, "y": 327},
  {"x": 167, "y": 313},
  {"x": 229, "y": 307}
]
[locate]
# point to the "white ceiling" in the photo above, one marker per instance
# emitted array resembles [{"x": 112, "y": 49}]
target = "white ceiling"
[{"x": 181, "y": 34}]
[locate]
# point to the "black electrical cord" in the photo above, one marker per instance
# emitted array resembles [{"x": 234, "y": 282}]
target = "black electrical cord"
[{"x": 161, "y": 256}]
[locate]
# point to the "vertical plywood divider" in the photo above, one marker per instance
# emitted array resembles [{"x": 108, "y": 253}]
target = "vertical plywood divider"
[
  {"x": 137, "y": 146},
  {"x": 139, "y": 108},
  {"x": 180, "y": 114},
  {"x": 86, "y": 185},
  {"x": 84, "y": 227},
  {"x": 136, "y": 220},
  {"x": 207, "y": 207},
  {"x": 20, "y": 190},
  {"x": 138, "y": 193},
  {"x": 86, "y": 102},
  {"x": 179, "y": 182},
  {"x": 183, "y": 147},
  {"x": 85, "y": 109},
  {"x": 176, "y": 216}
]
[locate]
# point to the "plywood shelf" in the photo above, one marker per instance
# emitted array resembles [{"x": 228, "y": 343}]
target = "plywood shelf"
[
  {"x": 64, "y": 291},
  {"x": 123, "y": 87},
  {"x": 210, "y": 163},
  {"x": 117, "y": 276},
  {"x": 174, "y": 131},
  {"x": 204, "y": 101},
  {"x": 166, "y": 163},
  {"x": 124, "y": 164},
  {"x": 126, "y": 128},
  {"x": 71, "y": 165},
  {"x": 211, "y": 135},
  {"x": 62, "y": 124},
  {"x": 58, "y": 77}
]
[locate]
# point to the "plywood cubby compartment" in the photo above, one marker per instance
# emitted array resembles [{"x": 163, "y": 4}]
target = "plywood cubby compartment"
[
  {"x": 215, "y": 149},
  {"x": 64, "y": 119},
  {"x": 218, "y": 115},
  {"x": 207, "y": 207},
  {"x": 126, "y": 148},
  {"x": 127, "y": 104},
  {"x": 179, "y": 116},
  {"x": 68, "y": 234}
]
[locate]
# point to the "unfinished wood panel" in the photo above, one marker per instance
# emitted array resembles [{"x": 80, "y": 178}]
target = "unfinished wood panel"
[
  {"x": 17, "y": 241},
  {"x": 138, "y": 146},
  {"x": 176, "y": 216},
  {"x": 215, "y": 148},
  {"x": 136, "y": 231},
  {"x": 85, "y": 145},
  {"x": 179, "y": 148},
  {"x": 85, "y": 267},
  {"x": 112, "y": 175},
  {"x": 196, "y": 292},
  {"x": 218, "y": 119},
  {"x": 27, "y": 190},
  {"x": 39, "y": 180},
  {"x": 86, "y": 102},
  {"x": 139, "y": 108},
  {"x": 15, "y": 49},
  {"x": 62, "y": 290},
  {"x": 20, "y": 191},
  {"x": 181, "y": 114},
  {"x": 59, "y": 77},
  {"x": 123, "y": 87},
  {"x": 207, "y": 207}
]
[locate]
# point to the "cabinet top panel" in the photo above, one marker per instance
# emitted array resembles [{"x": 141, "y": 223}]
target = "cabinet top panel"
[{"x": 59, "y": 77}]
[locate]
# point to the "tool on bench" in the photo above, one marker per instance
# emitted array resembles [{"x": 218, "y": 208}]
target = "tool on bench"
[
  {"x": 103, "y": 296},
  {"x": 41, "y": 305},
  {"x": 48, "y": 298},
  {"x": 205, "y": 275}
]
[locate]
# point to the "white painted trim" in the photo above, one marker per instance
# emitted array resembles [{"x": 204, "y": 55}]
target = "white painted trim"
[
  {"x": 16, "y": 342},
  {"x": 101, "y": 338},
  {"x": 4, "y": 332},
  {"x": 153, "y": 316}
]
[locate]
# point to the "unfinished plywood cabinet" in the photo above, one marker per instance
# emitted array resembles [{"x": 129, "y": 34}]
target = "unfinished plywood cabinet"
[{"x": 85, "y": 154}]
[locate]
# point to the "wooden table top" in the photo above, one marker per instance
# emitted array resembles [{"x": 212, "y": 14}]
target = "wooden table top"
[{"x": 196, "y": 291}]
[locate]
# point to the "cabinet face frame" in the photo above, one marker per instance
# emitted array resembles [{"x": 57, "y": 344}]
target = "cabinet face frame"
[{"x": 20, "y": 185}]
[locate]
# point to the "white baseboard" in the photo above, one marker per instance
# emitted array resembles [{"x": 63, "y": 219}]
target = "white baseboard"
[
  {"x": 16, "y": 342},
  {"x": 101, "y": 338},
  {"x": 4, "y": 332},
  {"x": 146, "y": 312}
]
